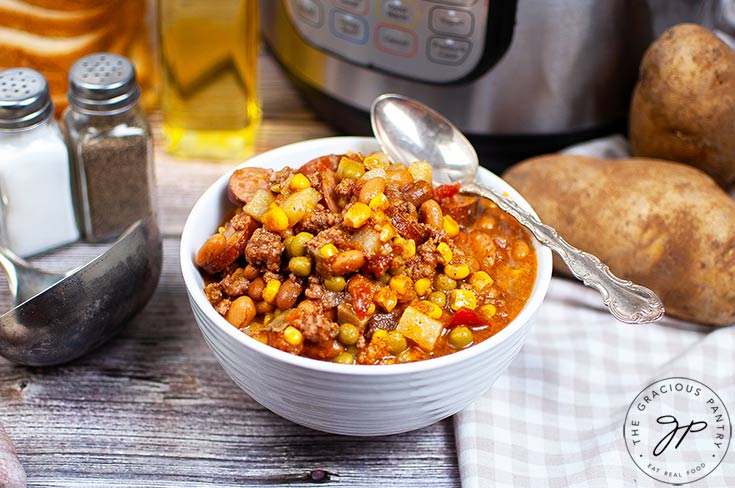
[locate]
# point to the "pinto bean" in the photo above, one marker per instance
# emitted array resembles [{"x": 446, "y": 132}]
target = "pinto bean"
[
  {"x": 211, "y": 248},
  {"x": 432, "y": 214},
  {"x": 371, "y": 188},
  {"x": 255, "y": 290},
  {"x": 241, "y": 312},
  {"x": 400, "y": 177},
  {"x": 347, "y": 262},
  {"x": 288, "y": 293}
]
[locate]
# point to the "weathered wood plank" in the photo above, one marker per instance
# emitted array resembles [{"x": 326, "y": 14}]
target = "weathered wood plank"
[{"x": 153, "y": 408}]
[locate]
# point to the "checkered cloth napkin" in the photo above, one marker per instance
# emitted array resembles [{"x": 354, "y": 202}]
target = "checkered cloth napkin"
[{"x": 556, "y": 417}]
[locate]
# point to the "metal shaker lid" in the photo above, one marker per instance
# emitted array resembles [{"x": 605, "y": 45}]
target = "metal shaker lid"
[
  {"x": 102, "y": 83},
  {"x": 24, "y": 98}
]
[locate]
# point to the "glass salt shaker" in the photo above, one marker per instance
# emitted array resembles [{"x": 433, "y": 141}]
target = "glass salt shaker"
[
  {"x": 110, "y": 145},
  {"x": 35, "y": 184}
]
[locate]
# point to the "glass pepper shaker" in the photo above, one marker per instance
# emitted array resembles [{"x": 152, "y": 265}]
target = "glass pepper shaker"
[
  {"x": 110, "y": 145},
  {"x": 36, "y": 208}
]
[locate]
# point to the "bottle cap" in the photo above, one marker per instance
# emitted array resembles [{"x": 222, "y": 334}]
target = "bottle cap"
[
  {"x": 102, "y": 83},
  {"x": 24, "y": 98}
]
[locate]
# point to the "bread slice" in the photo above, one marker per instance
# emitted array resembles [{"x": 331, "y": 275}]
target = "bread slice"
[
  {"x": 17, "y": 14},
  {"x": 69, "y": 4},
  {"x": 21, "y": 48}
]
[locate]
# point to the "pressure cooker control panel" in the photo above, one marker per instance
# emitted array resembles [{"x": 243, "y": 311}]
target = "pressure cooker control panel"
[{"x": 428, "y": 40}]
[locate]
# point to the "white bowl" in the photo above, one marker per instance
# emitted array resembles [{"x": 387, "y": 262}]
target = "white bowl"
[{"x": 361, "y": 400}]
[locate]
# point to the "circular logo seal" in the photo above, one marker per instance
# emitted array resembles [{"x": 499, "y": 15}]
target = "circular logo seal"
[{"x": 677, "y": 430}]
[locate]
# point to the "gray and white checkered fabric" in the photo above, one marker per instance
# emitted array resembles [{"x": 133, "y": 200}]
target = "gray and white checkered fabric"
[{"x": 555, "y": 418}]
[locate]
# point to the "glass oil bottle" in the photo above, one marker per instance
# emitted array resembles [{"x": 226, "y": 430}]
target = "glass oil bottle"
[{"x": 209, "y": 101}]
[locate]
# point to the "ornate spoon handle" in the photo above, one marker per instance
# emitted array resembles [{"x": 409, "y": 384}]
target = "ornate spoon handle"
[{"x": 627, "y": 301}]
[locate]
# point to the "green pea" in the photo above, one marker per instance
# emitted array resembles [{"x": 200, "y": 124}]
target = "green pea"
[
  {"x": 460, "y": 337},
  {"x": 287, "y": 244},
  {"x": 348, "y": 334},
  {"x": 300, "y": 266},
  {"x": 335, "y": 283},
  {"x": 396, "y": 342},
  {"x": 297, "y": 245},
  {"x": 352, "y": 350},
  {"x": 444, "y": 282},
  {"x": 438, "y": 297},
  {"x": 344, "y": 358}
]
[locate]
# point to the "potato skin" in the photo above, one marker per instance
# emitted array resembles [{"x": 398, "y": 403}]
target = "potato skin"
[
  {"x": 665, "y": 225},
  {"x": 683, "y": 106}
]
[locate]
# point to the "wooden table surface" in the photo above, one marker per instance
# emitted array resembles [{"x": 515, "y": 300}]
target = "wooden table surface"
[{"x": 153, "y": 407}]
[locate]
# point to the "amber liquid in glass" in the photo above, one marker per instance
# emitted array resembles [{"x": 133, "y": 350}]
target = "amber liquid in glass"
[{"x": 209, "y": 101}]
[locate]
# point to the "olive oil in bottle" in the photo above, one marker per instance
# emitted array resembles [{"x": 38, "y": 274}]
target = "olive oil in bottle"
[{"x": 209, "y": 101}]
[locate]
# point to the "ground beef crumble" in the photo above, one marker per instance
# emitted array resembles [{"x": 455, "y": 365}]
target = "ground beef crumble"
[{"x": 265, "y": 249}]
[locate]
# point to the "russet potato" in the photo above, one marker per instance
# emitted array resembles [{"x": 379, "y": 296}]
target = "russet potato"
[
  {"x": 665, "y": 225},
  {"x": 683, "y": 106}
]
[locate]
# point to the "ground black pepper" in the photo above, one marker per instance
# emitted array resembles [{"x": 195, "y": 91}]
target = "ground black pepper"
[
  {"x": 117, "y": 183},
  {"x": 110, "y": 143}
]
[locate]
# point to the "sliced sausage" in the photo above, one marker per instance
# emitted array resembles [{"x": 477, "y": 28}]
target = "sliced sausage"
[
  {"x": 318, "y": 165},
  {"x": 244, "y": 182}
]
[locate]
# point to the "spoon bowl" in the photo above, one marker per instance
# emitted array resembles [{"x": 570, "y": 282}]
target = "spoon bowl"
[
  {"x": 408, "y": 131},
  {"x": 58, "y": 318}
]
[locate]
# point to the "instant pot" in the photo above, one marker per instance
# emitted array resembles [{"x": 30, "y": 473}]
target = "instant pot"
[{"x": 518, "y": 77}]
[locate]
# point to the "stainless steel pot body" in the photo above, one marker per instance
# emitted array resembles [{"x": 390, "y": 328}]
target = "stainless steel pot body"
[{"x": 570, "y": 65}]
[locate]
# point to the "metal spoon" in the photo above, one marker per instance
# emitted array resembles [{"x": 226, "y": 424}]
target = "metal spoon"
[
  {"x": 410, "y": 131},
  {"x": 57, "y": 318}
]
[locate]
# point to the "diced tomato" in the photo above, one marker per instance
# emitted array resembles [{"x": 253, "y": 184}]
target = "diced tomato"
[
  {"x": 465, "y": 316},
  {"x": 446, "y": 191},
  {"x": 362, "y": 295}
]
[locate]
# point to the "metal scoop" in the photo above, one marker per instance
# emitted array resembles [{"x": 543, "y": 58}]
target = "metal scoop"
[
  {"x": 59, "y": 317},
  {"x": 409, "y": 131}
]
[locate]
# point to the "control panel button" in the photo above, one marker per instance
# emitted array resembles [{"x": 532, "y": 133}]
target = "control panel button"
[
  {"x": 396, "y": 41},
  {"x": 452, "y": 22},
  {"x": 398, "y": 12},
  {"x": 445, "y": 50},
  {"x": 309, "y": 11},
  {"x": 354, "y": 6},
  {"x": 462, "y": 3},
  {"x": 349, "y": 27}
]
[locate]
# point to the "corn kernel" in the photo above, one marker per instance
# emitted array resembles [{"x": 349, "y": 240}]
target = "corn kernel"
[
  {"x": 299, "y": 182},
  {"x": 401, "y": 284},
  {"x": 445, "y": 253},
  {"x": 480, "y": 280},
  {"x": 379, "y": 334},
  {"x": 275, "y": 219},
  {"x": 271, "y": 290},
  {"x": 459, "y": 298},
  {"x": 386, "y": 298},
  {"x": 457, "y": 271},
  {"x": 488, "y": 310},
  {"x": 328, "y": 250},
  {"x": 387, "y": 232},
  {"x": 451, "y": 227},
  {"x": 371, "y": 309},
  {"x": 357, "y": 215},
  {"x": 422, "y": 286},
  {"x": 293, "y": 335},
  {"x": 379, "y": 202},
  {"x": 429, "y": 308}
]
